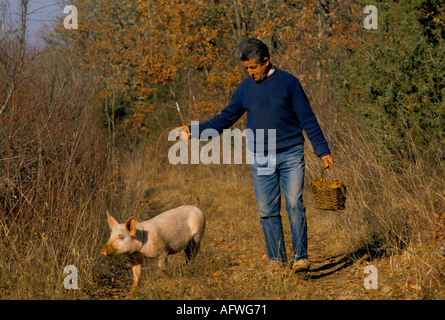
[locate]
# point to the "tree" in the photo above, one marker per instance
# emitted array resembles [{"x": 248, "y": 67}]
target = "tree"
[
  {"x": 12, "y": 54},
  {"x": 395, "y": 79},
  {"x": 179, "y": 55}
]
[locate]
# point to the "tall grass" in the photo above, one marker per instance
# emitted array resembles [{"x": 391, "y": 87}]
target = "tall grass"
[
  {"x": 58, "y": 179},
  {"x": 389, "y": 221},
  {"x": 53, "y": 179},
  {"x": 61, "y": 169},
  {"x": 393, "y": 202}
]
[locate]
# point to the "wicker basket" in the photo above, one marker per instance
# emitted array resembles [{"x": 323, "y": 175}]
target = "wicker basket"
[{"x": 328, "y": 195}]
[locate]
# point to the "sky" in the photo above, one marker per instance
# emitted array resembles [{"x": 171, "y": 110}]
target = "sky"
[
  {"x": 44, "y": 12},
  {"x": 41, "y": 13}
]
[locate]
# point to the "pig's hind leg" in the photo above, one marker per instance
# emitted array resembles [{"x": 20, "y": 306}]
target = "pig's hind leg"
[
  {"x": 162, "y": 261},
  {"x": 192, "y": 249}
]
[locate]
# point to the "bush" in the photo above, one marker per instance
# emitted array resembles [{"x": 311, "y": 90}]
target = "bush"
[
  {"x": 53, "y": 182},
  {"x": 394, "y": 79}
]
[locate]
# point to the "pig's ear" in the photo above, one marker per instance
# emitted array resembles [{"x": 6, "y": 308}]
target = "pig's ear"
[
  {"x": 130, "y": 226},
  {"x": 111, "y": 221}
]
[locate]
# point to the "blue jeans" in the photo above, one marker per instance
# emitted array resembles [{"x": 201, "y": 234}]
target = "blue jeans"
[{"x": 268, "y": 172}]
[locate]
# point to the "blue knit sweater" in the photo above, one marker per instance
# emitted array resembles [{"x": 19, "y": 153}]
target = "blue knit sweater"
[{"x": 278, "y": 102}]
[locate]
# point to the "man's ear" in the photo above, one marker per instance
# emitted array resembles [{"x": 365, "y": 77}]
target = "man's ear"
[
  {"x": 130, "y": 226},
  {"x": 266, "y": 61},
  {"x": 111, "y": 221}
]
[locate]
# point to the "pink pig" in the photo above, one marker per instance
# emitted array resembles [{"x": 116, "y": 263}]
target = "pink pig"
[{"x": 170, "y": 232}]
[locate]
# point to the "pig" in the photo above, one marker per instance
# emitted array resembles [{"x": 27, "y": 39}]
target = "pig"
[{"x": 170, "y": 232}]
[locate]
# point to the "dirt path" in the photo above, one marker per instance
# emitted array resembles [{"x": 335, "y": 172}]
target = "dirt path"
[
  {"x": 332, "y": 277},
  {"x": 232, "y": 263}
]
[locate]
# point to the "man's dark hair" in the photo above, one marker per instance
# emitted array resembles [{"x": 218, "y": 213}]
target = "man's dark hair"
[{"x": 251, "y": 48}]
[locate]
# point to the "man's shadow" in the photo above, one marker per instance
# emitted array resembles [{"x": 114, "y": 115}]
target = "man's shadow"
[{"x": 331, "y": 265}]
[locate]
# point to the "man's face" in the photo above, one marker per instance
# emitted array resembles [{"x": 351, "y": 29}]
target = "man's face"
[{"x": 257, "y": 71}]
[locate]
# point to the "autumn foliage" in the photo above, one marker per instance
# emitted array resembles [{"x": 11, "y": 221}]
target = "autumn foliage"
[{"x": 179, "y": 54}]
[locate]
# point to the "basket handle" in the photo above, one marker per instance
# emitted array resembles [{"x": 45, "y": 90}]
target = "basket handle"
[{"x": 323, "y": 168}]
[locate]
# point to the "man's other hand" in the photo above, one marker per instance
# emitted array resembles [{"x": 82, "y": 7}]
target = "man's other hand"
[{"x": 327, "y": 160}]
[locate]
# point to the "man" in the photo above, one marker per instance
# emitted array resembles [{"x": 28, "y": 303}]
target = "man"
[{"x": 274, "y": 99}]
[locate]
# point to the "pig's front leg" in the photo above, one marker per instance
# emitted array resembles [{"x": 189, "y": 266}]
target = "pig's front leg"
[{"x": 136, "y": 260}]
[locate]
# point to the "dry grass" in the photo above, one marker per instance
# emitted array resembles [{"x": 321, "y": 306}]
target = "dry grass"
[
  {"x": 390, "y": 221},
  {"x": 57, "y": 186},
  {"x": 54, "y": 180},
  {"x": 384, "y": 224},
  {"x": 58, "y": 178}
]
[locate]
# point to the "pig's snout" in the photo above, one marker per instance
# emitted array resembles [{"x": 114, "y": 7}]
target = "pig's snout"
[
  {"x": 103, "y": 252},
  {"x": 108, "y": 250}
]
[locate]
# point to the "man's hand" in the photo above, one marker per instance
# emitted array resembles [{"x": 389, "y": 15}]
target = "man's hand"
[
  {"x": 183, "y": 132},
  {"x": 327, "y": 161}
]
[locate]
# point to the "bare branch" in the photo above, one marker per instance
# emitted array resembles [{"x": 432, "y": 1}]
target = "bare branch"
[{"x": 18, "y": 64}]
